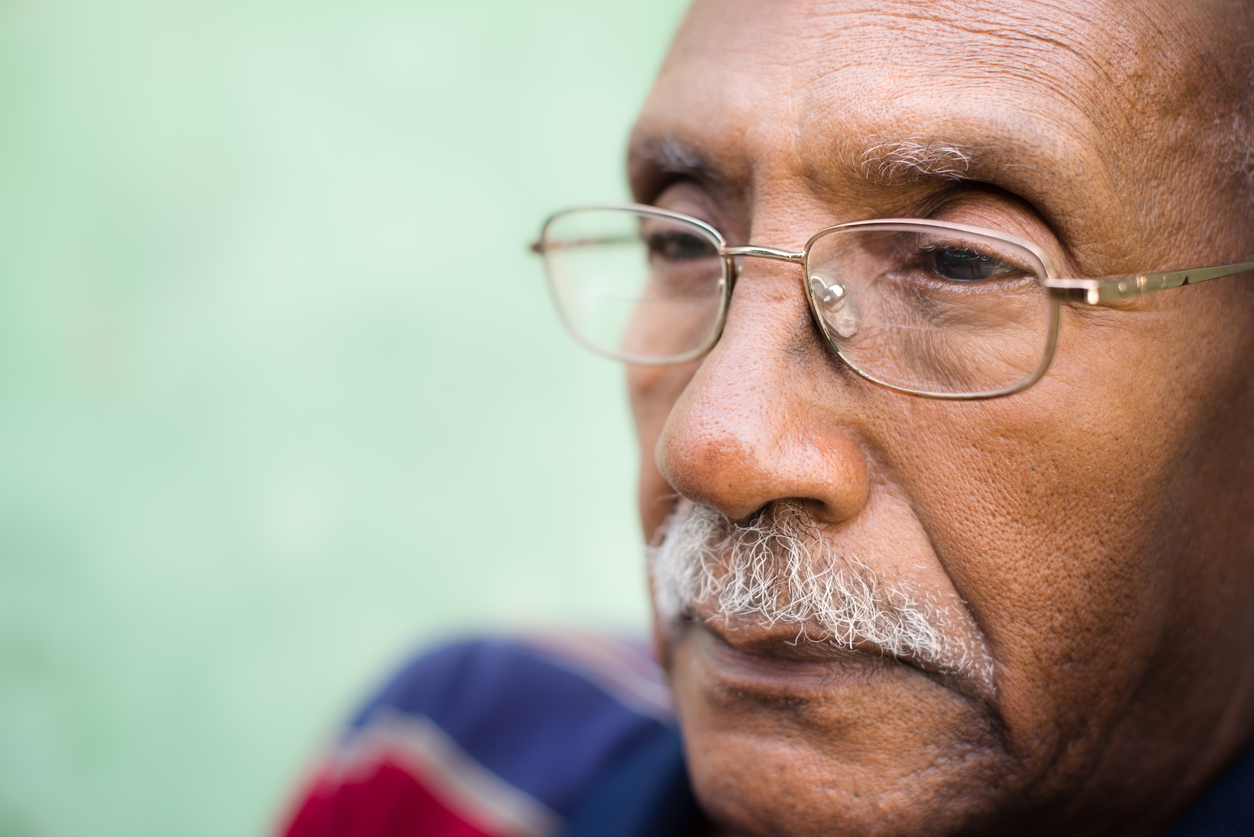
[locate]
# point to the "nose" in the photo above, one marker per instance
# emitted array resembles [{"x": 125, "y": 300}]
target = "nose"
[{"x": 766, "y": 417}]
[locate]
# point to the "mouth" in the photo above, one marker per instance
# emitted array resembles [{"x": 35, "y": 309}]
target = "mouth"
[
  {"x": 765, "y": 659},
  {"x": 774, "y": 593},
  {"x": 772, "y": 667}
]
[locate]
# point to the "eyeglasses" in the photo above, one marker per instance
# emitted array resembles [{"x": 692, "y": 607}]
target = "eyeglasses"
[{"x": 922, "y": 307}]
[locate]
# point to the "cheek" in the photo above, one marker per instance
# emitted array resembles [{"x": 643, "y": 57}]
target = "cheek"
[
  {"x": 1063, "y": 518},
  {"x": 1056, "y": 551}
]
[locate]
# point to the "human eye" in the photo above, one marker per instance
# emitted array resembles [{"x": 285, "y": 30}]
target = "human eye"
[
  {"x": 962, "y": 263},
  {"x": 673, "y": 244}
]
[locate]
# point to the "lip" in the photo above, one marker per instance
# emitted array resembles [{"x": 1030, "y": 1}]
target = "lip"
[
  {"x": 771, "y": 661},
  {"x": 767, "y": 657}
]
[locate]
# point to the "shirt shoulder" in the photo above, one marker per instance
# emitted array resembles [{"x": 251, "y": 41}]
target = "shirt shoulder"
[{"x": 488, "y": 736}]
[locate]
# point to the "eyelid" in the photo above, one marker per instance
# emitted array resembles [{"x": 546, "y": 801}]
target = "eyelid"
[
  {"x": 686, "y": 208},
  {"x": 984, "y": 248},
  {"x": 1014, "y": 216},
  {"x": 692, "y": 201}
]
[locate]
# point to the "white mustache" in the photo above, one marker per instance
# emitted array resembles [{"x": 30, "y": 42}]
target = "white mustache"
[{"x": 776, "y": 569}]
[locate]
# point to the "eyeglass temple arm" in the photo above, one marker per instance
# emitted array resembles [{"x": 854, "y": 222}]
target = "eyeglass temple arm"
[{"x": 1098, "y": 291}]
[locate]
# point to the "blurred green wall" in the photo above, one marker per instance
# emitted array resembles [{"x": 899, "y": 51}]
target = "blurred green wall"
[{"x": 281, "y": 396}]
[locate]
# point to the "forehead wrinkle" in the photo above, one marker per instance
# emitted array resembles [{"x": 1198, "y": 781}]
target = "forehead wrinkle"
[
  {"x": 982, "y": 112},
  {"x": 1008, "y": 56},
  {"x": 1037, "y": 99},
  {"x": 1009, "y": 150},
  {"x": 1020, "y": 128},
  {"x": 1128, "y": 69},
  {"x": 1096, "y": 54}
]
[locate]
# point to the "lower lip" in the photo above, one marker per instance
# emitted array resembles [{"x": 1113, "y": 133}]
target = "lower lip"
[{"x": 787, "y": 667}]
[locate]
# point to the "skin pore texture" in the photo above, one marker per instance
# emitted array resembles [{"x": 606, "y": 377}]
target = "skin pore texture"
[{"x": 1090, "y": 538}]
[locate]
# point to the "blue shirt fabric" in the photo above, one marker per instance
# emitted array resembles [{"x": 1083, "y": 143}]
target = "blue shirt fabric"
[
  {"x": 577, "y": 735},
  {"x": 1227, "y": 807}
]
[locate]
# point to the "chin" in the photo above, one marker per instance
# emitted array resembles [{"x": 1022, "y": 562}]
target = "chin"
[{"x": 786, "y": 739}]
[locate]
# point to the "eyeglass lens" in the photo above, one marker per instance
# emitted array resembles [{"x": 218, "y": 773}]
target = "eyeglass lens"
[
  {"x": 922, "y": 308},
  {"x": 642, "y": 288}
]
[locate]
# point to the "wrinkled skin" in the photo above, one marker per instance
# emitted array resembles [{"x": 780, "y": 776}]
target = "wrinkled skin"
[{"x": 1095, "y": 529}]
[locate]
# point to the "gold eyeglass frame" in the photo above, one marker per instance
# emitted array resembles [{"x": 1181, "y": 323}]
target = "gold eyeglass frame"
[{"x": 1084, "y": 291}]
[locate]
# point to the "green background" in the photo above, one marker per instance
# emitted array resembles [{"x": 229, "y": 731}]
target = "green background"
[{"x": 281, "y": 395}]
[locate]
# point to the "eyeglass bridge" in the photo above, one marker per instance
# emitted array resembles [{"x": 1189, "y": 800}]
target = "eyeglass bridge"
[{"x": 831, "y": 299}]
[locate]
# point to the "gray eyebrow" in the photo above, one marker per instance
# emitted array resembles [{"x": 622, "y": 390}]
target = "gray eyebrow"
[
  {"x": 876, "y": 160},
  {"x": 895, "y": 162}
]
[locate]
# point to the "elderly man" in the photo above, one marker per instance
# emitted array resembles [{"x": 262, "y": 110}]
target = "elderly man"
[{"x": 948, "y": 468}]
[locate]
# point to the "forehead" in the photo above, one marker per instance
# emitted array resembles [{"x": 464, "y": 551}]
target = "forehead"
[{"x": 1043, "y": 99}]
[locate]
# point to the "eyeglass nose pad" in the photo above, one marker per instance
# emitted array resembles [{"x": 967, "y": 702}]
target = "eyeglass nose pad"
[{"x": 834, "y": 305}]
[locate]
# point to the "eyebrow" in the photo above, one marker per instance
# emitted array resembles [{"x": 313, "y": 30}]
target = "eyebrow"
[
  {"x": 896, "y": 162},
  {"x": 652, "y": 161},
  {"x": 877, "y": 161}
]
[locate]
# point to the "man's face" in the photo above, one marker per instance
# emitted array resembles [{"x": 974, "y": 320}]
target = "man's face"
[{"x": 1089, "y": 539}]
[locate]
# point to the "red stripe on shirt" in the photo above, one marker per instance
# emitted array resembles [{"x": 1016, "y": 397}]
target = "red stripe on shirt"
[{"x": 387, "y": 801}]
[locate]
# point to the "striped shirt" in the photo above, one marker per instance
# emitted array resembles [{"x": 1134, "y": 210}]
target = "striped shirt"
[
  {"x": 527, "y": 737},
  {"x": 553, "y": 736}
]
